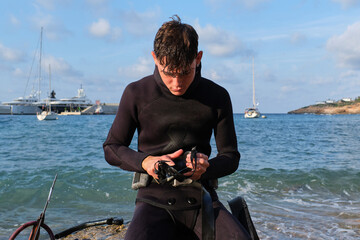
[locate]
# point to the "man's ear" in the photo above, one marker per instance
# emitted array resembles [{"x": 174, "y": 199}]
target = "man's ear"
[
  {"x": 154, "y": 57},
  {"x": 198, "y": 58}
]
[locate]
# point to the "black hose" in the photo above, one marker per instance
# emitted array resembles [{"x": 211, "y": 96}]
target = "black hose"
[{"x": 109, "y": 221}]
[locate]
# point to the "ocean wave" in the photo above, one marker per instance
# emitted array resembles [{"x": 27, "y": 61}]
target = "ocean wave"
[{"x": 293, "y": 202}]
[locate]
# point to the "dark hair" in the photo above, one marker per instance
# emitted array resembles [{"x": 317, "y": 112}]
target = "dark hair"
[{"x": 176, "y": 46}]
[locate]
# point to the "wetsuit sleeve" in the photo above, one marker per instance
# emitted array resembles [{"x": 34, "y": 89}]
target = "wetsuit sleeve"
[
  {"x": 227, "y": 160},
  {"x": 116, "y": 146}
]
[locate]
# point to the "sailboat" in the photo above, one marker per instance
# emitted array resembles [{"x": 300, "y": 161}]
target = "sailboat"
[
  {"x": 30, "y": 104},
  {"x": 252, "y": 112},
  {"x": 48, "y": 114}
]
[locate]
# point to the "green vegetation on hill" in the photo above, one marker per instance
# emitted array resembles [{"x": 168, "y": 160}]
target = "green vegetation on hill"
[{"x": 340, "y": 107}]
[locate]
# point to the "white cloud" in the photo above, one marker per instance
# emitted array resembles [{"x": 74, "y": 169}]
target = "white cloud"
[
  {"x": 269, "y": 76},
  {"x": 59, "y": 67},
  {"x": 143, "y": 67},
  {"x": 297, "y": 38},
  {"x": 48, "y": 4},
  {"x": 323, "y": 81},
  {"x": 18, "y": 72},
  {"x": 51, "y": 4},
  {"x": 10, "y": 54},
  {"x": 226, "y": 71},
  {"x": 350, "y": 74},
  {"x": 214, "y": 75},
  {"x": 115, "y": 33},
  {"x": 53, "y": 29},
  {"x": 351, "y": 78},
  {"x": 220, "y": 43},
  {"x": 346, "y": 47},
  {"x": 251, "y": 3},
  {"x": 100, "y": 8},
  {"x": 348, "y": 3},
  {"x": 140, "y": 24},
  {"x": 14, "y": 20},
  {"x": 234, "y": 4},
  {"x": 100, "y": 28},
  {"x": 97, "y": 2},
  {"x": 103, "y": 29},
  {"x": 288, "y": 89}
]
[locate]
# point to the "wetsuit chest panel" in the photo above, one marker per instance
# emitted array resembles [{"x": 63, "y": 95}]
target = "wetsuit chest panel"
[{"x": 175, "y": 124}]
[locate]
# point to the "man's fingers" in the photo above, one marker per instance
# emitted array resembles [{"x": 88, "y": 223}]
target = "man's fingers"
[{"x": 175, "y": 154}]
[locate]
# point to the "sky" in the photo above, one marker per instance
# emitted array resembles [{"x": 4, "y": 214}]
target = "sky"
[{"x": 304, "y": 51}]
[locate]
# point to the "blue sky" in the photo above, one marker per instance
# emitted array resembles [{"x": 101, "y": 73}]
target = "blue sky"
[{"x": 304, "y": 50}]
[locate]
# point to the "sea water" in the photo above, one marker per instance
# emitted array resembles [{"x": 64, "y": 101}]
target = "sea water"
[{"x": 300, "y": 174}]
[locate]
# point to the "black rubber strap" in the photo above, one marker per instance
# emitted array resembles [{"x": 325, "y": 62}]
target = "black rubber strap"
[
  {"x": 240, "y": 210},
  {"x": 207, "y": 216},
  {"x": 109, "y": 221}
]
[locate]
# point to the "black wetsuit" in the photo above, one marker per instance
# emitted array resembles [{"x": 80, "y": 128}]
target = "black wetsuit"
[{"x": 166, "y": 123}]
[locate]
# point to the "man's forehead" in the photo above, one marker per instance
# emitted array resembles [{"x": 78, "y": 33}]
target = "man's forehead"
[{"x": 177, "y": 72}]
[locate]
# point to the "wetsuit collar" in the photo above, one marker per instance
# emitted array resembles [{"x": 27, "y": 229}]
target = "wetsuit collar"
[{"x": 188, "y": 92}]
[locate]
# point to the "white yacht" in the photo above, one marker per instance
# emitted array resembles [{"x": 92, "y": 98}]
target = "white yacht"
[
  {"x": 28, "y": 105},
  {"x": 252, "y": 112},
  {"x": 33, "y": 105},
  {"x": 77, "y": 103},
  {"x": 5, "y": 109}
]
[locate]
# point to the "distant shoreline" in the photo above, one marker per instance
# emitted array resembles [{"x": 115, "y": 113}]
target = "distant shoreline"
[{"x": 330, "y": 108}]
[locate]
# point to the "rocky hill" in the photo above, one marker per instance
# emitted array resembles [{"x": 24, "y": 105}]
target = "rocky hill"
[{"x": 332, "y": 108}]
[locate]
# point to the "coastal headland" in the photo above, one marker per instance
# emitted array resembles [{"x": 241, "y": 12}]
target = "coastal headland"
[{"x": 330, "y": 108}]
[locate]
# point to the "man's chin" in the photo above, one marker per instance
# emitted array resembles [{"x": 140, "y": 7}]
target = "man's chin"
[{"x": 177, "y": 92}]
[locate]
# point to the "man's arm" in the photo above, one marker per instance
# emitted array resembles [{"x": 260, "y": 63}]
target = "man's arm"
[
  {"x": 227, "y": 160},
  {"x": 116, "y": 146}
]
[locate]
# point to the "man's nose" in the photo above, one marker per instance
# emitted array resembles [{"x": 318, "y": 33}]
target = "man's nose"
[{"x": 177, "y": 80}]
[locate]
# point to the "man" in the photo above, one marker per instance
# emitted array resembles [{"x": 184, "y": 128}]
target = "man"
[{"x": 174, "y": 110}]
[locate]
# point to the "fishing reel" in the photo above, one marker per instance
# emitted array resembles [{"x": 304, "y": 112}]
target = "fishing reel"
[{"x": 167, "y": 173}]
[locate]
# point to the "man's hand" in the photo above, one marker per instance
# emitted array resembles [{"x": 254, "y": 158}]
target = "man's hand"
[
  {"x": 149, "y": 162},
  {"x": 201, "y": 166}
]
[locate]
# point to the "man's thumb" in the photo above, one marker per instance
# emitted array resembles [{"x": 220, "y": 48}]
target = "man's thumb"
[{"x": 176, "y": 154}]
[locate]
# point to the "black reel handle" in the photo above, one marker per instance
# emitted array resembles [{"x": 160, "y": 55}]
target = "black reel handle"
[{"x": 168, "y": 173}]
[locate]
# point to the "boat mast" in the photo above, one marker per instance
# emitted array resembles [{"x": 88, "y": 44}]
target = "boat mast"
[
  {"x": 254, "y": 104},
  {"x": 41, "y": 35},
  {"x": 49, "y": 88}
]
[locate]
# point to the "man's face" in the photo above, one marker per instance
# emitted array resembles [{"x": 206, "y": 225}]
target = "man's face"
[{"x": 178, "y": 83}]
